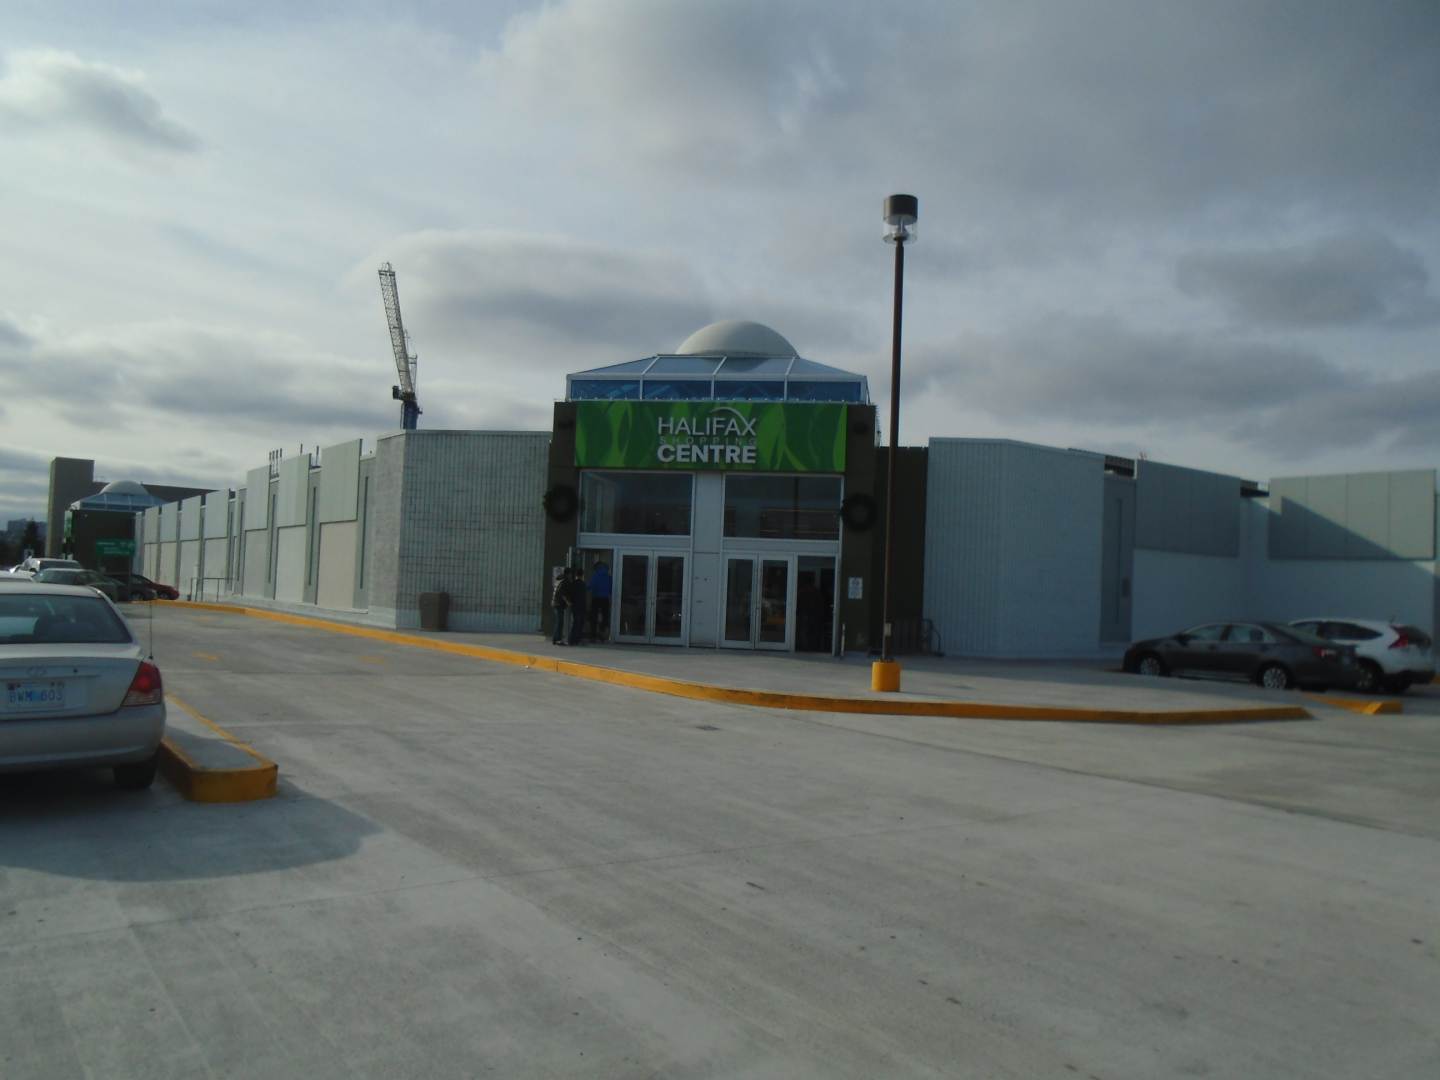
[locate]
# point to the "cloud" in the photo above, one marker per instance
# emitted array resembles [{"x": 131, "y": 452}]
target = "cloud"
[
  {"x": 12, "y": 338},
  {"x": 712, "y": 86},
  {"x": 1346, "y": 280},
  {"x": 47, "y": 89},
  {"x": 1125, "y": 107},
  {"x": 546, "y": 303},
  {"x": 1105, "y": 375},
  {"x": 147, "y": 374}
]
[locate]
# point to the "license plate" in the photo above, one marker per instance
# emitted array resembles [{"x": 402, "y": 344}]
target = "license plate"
[{"x": 35, "y": 695}]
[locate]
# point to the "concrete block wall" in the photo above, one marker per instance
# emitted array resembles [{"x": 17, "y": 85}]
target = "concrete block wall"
[{"x": 472, "y": 525}]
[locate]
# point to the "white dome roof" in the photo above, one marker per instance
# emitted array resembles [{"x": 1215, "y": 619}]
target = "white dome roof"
[
  {"x": 123, "y": 487},
  {"x": 735, "y": 337}
]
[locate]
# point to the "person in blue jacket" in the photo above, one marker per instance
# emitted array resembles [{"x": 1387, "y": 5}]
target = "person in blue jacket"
[{"x": 600, "y": 588}]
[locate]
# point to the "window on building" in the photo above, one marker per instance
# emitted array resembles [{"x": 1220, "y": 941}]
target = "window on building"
[
  {"x": 826, "y": 390},
  {"x": 677, "y": 389},
  {"x": 783, "y": 507},
  {"x": 604, "y": 389},
  {"x": 749, "y": 390},
  {"x": 657, "y": 504}
]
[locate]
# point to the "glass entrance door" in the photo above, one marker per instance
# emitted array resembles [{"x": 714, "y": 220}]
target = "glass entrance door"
[
  {"x": 650, "y": 586},
  {"x": 759, "y": 602}
]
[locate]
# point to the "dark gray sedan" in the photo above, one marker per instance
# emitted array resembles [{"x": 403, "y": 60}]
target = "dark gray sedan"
[{"x": 1270, "y": 654}]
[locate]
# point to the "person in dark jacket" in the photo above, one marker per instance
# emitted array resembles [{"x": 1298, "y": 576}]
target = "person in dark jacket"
[
  {"x": 559, "y": 601},
  {"x": 577, "y": 607}
]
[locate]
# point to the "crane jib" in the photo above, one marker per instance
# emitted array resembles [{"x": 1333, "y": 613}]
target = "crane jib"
[{"x": 406, "y": 361}]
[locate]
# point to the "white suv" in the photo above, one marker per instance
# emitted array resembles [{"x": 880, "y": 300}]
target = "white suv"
[
  {"x": 36, "y": 563},
  {"x": 1391, "y": 657}
]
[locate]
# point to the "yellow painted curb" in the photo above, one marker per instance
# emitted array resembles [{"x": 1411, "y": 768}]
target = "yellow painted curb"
[
  {"x": 200, "y": 784},
  {"x": 1359, "y": 705},
  {"x": 770, "y": 699}
]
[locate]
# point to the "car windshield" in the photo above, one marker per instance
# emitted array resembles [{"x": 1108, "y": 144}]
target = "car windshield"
[
  {"x": 37, "y": 619},
  {"x": 59, "y": 577}
]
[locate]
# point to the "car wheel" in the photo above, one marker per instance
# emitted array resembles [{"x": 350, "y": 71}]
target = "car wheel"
[
  {"x": 1369, "y": 677},
  {"x": 1150, "y": 664},
  {"x": 1274, "y": 677},
  {"x": 139, "y": 776}
]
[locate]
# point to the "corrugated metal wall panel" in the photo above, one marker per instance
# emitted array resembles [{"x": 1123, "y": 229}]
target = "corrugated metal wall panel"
[
  {"x": 965, "y": 508},
  {"x": 1051, "y": 537}
]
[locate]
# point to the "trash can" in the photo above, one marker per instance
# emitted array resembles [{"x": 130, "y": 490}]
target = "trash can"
[{"x": 434, "y": 610}]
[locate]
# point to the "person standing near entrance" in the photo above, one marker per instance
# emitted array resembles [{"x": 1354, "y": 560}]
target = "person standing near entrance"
[
  {"x": 559, "y": 601},
  {"x": 577, "y": 606},
  {"x": 600, "y": 588}
]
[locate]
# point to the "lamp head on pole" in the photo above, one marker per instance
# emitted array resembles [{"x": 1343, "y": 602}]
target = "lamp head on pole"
[{"x": 901, "y": 212}]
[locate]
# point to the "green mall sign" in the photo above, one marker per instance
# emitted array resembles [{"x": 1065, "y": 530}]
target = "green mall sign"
[{"x": 751, "y": 436}]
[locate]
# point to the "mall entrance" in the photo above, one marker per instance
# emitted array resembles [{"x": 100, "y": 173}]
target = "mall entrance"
[
  {"x": 649, "y": 606},
  {"x": 778, "y": 601}
]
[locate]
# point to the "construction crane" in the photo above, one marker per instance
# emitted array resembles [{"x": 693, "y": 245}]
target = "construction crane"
[{"x": 405, "y": 360}]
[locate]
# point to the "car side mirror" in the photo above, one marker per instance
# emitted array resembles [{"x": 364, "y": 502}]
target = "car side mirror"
[{"x": 1183, "y": 639}]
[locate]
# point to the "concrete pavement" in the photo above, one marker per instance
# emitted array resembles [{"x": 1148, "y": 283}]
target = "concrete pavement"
[{"x": 478, "y": 870}]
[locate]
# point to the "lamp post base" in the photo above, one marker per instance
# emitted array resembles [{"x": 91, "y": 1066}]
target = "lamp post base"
[{"x": 885, "y": 676}]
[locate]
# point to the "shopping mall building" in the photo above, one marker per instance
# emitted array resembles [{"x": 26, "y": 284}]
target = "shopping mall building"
[{"x": 734, "y": 489}]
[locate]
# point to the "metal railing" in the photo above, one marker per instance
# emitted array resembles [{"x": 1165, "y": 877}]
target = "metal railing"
[{"x": 199, "y": 588}]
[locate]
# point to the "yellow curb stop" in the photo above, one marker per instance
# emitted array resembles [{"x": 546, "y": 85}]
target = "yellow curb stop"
[{"x": 199, "y": 783}]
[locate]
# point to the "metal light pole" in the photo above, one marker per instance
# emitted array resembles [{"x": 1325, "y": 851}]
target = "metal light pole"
[{"x": 901, "y": 213}]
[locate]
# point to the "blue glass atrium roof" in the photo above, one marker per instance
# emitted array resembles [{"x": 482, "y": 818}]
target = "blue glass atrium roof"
[{"x": 669, "y": 376}]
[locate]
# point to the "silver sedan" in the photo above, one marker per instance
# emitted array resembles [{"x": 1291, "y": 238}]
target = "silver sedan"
[{"x": 76, "y": 689}]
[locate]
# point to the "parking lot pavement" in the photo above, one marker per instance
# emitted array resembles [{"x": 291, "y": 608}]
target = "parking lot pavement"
[{"x": 473, "y": 869}]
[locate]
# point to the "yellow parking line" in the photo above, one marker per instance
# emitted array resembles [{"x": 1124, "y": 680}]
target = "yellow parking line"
[{"x": 205, "y": 656}]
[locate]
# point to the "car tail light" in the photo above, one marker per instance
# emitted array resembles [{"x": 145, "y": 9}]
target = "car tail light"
[
  {"x": 145, "y": 688},
  {"x": 1402, "y": 639},
  {"x": 1322, "y": 653}
]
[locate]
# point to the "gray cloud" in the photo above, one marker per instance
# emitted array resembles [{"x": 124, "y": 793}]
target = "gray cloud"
[
  {"x": 138, "y": 376},
  {"x": 12, "y": 338},
  {"x": 558, "y": 304},
  {"x": 1121, "y": 106},
  {"x": 22, "y": 459},
  {"x": 43, "y": 89},
  {"x": 1101, "y": 373},
  {"x": 1348, "y": 280}
]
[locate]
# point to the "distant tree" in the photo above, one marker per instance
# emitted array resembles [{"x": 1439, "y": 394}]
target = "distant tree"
[
  {"x": 30, "y": 538},
  {"x": 8, "y": 555}
]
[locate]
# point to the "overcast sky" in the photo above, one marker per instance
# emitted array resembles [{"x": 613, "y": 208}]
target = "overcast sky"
[{"x": 1208, "y": 232}]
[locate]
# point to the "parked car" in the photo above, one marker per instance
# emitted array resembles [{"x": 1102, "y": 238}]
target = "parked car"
[
  {"x": 1271, "y": 654},
  {"x": 36, "y": 563},
  {"x": 65, "y": 576},
  {"x": 76, "y": 688},
  {"x": 1390, "y": 657},
  {"x": 140, "y": 584}
]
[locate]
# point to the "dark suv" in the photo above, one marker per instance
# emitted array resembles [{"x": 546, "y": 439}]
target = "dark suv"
[{"x": 142, "y": 588}]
